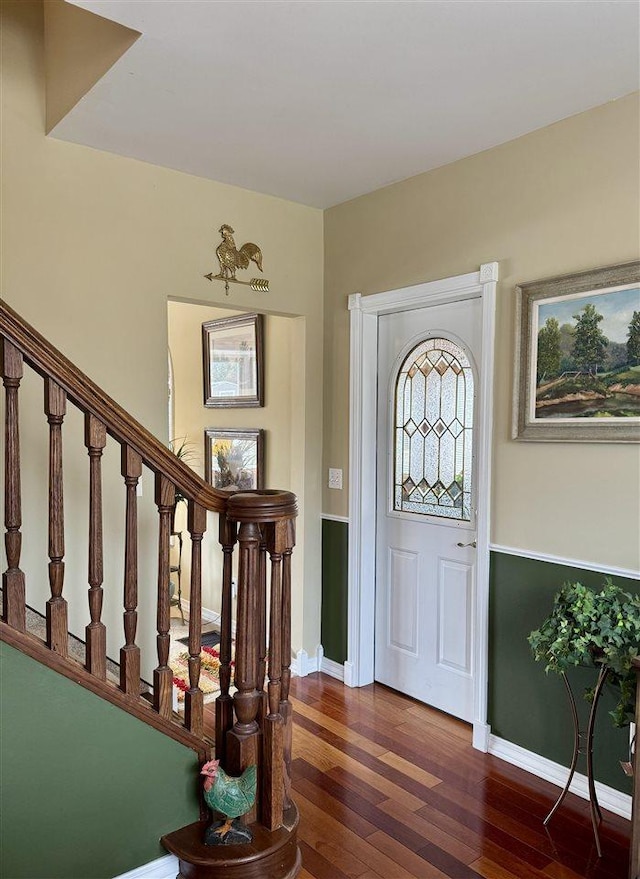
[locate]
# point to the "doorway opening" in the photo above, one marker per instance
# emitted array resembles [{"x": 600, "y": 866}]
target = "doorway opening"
[{"x": 281, "y": 418}]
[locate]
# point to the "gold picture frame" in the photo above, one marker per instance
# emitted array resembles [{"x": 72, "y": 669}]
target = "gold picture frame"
[{"x": 577, "y": 357}]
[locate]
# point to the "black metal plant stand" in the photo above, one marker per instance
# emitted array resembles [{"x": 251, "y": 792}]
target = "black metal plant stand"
[{"x": 583, "y": 744}]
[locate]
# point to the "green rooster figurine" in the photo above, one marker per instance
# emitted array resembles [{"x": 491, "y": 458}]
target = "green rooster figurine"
[{"x": 232, "y": 797}]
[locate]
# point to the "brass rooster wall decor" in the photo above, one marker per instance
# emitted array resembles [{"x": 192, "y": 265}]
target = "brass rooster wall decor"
[{"x": 231, "y": 259}]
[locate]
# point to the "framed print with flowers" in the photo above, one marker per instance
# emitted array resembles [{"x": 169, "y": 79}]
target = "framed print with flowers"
[{"x": 234, "y": 459}]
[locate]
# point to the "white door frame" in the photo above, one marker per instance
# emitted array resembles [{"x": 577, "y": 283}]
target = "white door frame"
[{"x": 363, "y": 380}]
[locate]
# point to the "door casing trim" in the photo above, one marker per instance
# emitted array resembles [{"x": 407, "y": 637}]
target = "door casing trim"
[{"x": 364, "y": 314}]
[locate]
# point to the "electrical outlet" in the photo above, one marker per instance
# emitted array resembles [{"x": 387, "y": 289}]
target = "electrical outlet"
[{"x": 335, "y": 478}]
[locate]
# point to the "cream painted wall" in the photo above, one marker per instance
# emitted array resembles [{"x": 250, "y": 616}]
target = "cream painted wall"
[
  {"x": 192, "y": 418},
  {"x": 93, "y": 247},
  {"x": 560, "y": 200}
]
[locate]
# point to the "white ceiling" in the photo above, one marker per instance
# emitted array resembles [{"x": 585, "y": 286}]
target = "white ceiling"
[{"x": 319, "y": 101}]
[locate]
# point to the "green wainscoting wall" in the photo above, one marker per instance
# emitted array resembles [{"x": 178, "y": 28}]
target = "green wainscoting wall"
[
  {"x": 87, "y": 790},
  {"x": 335, "y": 547},
  {"x": 526, "y": 706}
]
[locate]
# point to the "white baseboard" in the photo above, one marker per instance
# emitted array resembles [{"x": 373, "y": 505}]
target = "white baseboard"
[
  {"x": 332, "y": 668},
  {"x": 349, "y": 674},
  {"x": 209, "y": 616},
  {"x": 162, "y": 868},
  {"x": 608, "y": 797},
  {"x": 302, "y": 664},
  {"x": 481, "y": 736}
]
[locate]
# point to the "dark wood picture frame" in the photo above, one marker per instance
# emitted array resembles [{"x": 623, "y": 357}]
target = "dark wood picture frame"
[
  {"x": 234, "y": 458},
  {"x": 233, "y": 361}
]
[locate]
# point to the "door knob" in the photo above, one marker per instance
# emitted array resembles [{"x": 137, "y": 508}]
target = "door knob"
[{"x": 473, "y": 544}]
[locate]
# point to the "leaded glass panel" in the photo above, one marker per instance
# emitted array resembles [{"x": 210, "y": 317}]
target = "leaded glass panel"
[{"x": 433, "y": 432}]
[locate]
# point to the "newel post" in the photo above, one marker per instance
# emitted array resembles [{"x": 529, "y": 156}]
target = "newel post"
[
  {"x": 242, "y": 740},
  {"x": 261, "y": 734},
  {"x": 273, "y": 775},
  {"x": 228, "y": 535},
  {"x": 285, "y": 705},
  {"x": 266, "y": 525}
]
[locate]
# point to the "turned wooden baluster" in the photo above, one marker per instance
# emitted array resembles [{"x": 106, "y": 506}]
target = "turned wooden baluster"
[
  {"x": 55, "y": 407},
  {"x": 162, "y": 675},
  {"x": 273, "y": 727},
  {"x": 193, "y": 699},
  {"x": 262, "y": 628},
  {"x": 228, "y": 535},
  {"x": 13, "y": 585},
  {"x": 285, "y": 705},
  {"x": 130, "y": 653},
  {"x": 242, "y": 739},
  {"x": 95, "y": 439}
]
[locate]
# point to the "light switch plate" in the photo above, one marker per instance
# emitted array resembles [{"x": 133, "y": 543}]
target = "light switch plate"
[{"x": 335, "y": 478}]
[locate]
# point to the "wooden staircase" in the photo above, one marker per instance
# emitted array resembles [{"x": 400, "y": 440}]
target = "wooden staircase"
[{"x": 253, "y": 726}]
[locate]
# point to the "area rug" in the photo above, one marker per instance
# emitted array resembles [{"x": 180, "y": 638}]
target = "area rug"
[{"x": 209, "y": 681}]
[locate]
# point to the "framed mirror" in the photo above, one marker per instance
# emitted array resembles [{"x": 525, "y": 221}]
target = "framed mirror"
[{"x": 233, "y": 361}]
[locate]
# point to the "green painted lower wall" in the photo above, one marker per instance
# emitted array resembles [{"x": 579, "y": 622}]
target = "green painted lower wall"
[
  {"x": 87, "y": 790},
  {"x": 526, "y": 706},
  {"x": 335, "y": 546}
]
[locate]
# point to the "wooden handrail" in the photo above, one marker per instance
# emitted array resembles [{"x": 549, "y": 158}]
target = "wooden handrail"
[{"x": 90, "y": 399}]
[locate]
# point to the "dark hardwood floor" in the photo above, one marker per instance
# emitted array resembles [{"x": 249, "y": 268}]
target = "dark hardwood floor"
[{"x": 390, "y": 789}]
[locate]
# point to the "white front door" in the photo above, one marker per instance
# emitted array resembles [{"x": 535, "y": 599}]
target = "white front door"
[{"x": 426, "y": 502}]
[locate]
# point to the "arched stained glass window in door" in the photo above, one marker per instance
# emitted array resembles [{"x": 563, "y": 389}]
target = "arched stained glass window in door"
[{"x": 433, "y": 431}]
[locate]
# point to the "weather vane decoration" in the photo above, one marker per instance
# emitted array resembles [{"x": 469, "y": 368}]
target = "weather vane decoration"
[{"x": 231, "y": 259}]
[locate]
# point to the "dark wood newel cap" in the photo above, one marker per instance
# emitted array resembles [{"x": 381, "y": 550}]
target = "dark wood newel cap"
[{"x": 266, "y": 505}]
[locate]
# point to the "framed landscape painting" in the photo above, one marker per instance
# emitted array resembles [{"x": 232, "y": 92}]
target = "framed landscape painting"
[
  {"x": 234, "y": 459},
  {"x": 577, "y": 365}
]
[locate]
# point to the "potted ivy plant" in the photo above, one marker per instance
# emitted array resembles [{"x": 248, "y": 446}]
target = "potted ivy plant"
[{"x": 595, "y": 629}]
